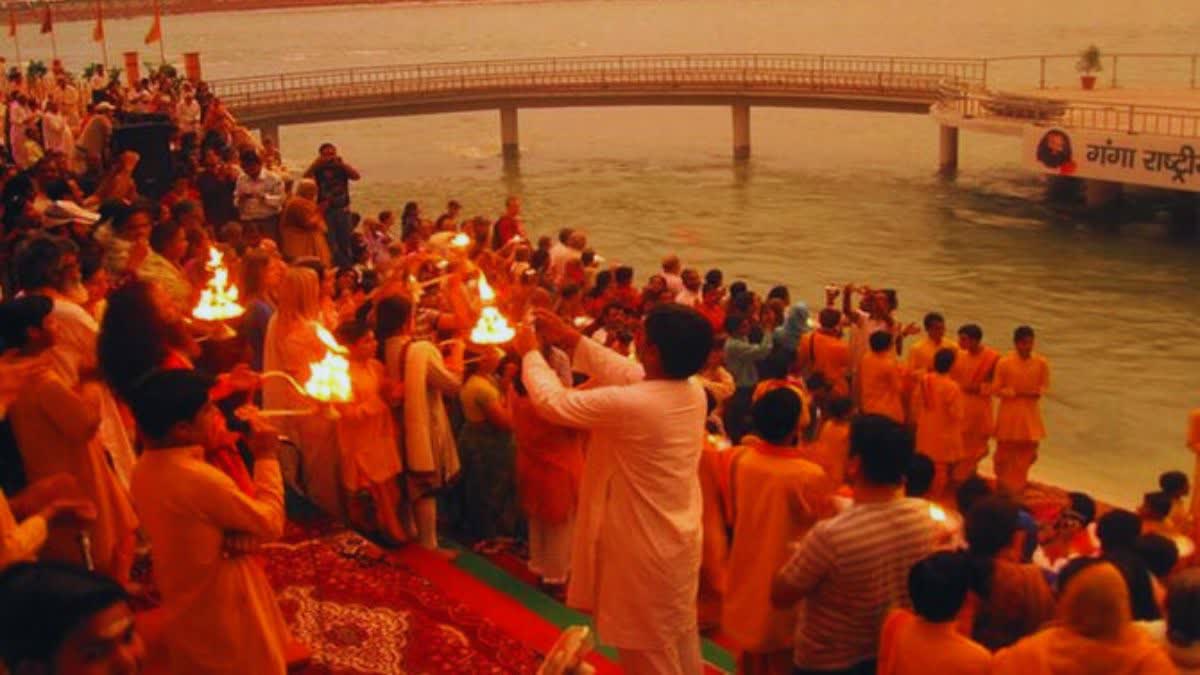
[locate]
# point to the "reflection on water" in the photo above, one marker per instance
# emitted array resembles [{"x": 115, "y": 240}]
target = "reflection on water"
[{"x": 828, "y": 196}]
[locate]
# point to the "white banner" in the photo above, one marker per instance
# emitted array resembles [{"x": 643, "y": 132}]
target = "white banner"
[{"x": 1158, "y": 161}]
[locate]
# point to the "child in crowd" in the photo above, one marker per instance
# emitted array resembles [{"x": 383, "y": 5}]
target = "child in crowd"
[
  {"x": 1176, "y": 486},
  {"x": 367, "y": 438}
]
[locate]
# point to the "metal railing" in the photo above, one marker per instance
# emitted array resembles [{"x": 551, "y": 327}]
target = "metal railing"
[
  {"x": 1118, "y": 70},
  {"x": 879, "y": 76},
  {"x": 980, "y": 103}
]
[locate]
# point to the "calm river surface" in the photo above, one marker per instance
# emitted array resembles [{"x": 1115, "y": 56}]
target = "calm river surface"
[{"x": 828, "y": 197}]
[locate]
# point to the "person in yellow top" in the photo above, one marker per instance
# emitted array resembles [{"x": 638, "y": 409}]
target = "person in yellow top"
[
  {"x": 777, "y": 496},
  {"x": 937, "y": 410},
  {"x": 973, "y": 369},
  {"x": 920, "y": 355},
  {"x": 882, "y": 379},
  {"x": 832, "y": 447},
  {"x": 824, "y": 352},
  {"x": 1022, "y": 378}
]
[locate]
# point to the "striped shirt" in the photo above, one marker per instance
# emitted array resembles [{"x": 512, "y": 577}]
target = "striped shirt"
[{"x": 852, "y": 569}]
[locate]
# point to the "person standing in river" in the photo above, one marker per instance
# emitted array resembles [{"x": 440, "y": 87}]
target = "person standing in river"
[{"x": 1021, "y": 380}]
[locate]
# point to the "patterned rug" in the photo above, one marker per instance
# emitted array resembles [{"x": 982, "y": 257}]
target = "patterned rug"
[{"x": 361, "y": 610}]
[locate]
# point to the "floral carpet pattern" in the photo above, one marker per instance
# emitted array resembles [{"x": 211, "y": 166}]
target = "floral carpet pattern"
[{"x": 360, "y": 610}]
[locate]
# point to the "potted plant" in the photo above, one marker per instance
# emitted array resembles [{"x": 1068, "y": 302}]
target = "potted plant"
[{"x": 1087, "y": 65}]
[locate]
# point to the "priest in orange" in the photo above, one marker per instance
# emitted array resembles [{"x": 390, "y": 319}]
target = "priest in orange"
[
  {"x": 1022, "y": 378},
  {"x": 778, "y": 496},
  {"x": 920, "y": 356},
  {"x": 882, "y": 379},
  {"x": 824, "y": 352},
  {"x": 973, "y": 369},
  {"x": 938, "y": 412}
]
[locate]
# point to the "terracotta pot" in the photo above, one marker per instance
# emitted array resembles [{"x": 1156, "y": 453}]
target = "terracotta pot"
[{"x": 1088, "y": 81}]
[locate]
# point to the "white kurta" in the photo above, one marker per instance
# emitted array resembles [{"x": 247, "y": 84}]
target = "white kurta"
[
  {"x": 636, "y": 554},
  {"x": 221, "y": 614}
]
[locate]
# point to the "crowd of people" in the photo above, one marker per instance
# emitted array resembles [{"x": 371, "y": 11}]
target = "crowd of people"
[{"x": 682, "y": 455}]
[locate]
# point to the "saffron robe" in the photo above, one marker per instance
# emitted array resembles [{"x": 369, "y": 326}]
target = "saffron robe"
[
  {"x": 221, "y": 617},
  {"x": 974, "y": 372},
  {"x": 920, "y": 355},
  {"x": 882, "y": 387},
  {"x": 638, "y": 530},
  {"x": 910, "y": 645},
  {"x": 938, "y": 412},
  {"x": 1019, "y": 418},
  {"x": 827, "y": 355},
  {"x": 777, "y": 497}
]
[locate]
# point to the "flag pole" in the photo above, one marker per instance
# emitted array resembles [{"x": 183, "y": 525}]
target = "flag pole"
[
  {"x": 103, "y": 35},
  {"x": 53, "y": 34},
  {"x": 17, "y": 42},
  {"x": 162, "y": 51}
]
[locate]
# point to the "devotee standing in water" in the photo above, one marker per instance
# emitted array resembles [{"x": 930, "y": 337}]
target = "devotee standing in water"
[
  {"x": 1022, "y": 377},
  {"x": 920, "y": 355},
  {"x": 221, "y": 615},
  {"x": 778, "y": 496},
  {"x": 638, "y": 534},
  {"x": 973, "y": 369}
]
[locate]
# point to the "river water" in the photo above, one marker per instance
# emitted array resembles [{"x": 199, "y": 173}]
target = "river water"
[{"x": 828, "y": 197}]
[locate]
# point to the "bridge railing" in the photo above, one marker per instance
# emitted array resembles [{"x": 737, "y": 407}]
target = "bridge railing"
[
  {"x": 724, "y": 72},
  {"x": 980, "y": 103},
  {"x": 1130, "y": 69}
]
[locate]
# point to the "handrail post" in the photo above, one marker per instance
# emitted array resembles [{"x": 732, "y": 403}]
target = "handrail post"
[
  {"x": 1114, "y": 77},
  {"x": 1194, "y": 71},
  {"x": 1042, "y": 76},
  {"x": 1130, "y": 125},
  {"x": 985, "y": 69}
]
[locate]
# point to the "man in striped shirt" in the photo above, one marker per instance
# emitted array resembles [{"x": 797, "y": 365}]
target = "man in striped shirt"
[{"x": 852, "y": 569}]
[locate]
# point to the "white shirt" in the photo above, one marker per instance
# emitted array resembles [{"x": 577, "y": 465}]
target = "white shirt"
[
  {"x": 265, "y": 192},
  {"x": 674, "y": 283},
  {"x": 636, "y": 553},
  {"x": 560, "y": 255},
  {"x": 686, "y": 297},
  {"x": 188, "y": 114}
]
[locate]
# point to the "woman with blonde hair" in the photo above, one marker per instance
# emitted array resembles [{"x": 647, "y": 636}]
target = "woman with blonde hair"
[
  {"x": 302, "y": 228},
  {"x": 291, "y": 345},
  {"x": 1094, "y": 633},
  {"x": 262, "y": 274}
]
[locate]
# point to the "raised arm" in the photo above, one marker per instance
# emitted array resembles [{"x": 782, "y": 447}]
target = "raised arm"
[
  {"x": 578, "y": 409},
  {"x": 260, "y": 515}
]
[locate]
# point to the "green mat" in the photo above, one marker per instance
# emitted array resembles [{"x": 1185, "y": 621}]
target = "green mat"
[{"x": 554, "y": 612}]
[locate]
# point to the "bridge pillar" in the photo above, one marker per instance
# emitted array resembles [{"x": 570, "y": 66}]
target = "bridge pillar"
[
  {"x": 741, "y": 131},
  {"x": 269, "y": 131},
  {"x": 947, "y": 150},
  {"x": 509, "y": 139}
]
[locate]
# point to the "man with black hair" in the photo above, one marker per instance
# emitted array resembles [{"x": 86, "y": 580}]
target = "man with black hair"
[
  {"x": 62, "y": 619},
  {"x": 849, "y": 570},
  {"x": 937, "y": 411},
  {"x": 778, "y": 495},
  {"x": 920, "y": 355},
  {"x": 882, "y": 379},
  {"x": 258, "y": 196},
  {"x": 973, "y": 369},
  {"x": 1022, "y": 378},
  {"x": 824, "y": 351},
  {"x": 1118, "y": 531},
  {"x": 222, "y": 617},
  {"x": 926, "y": 640},
  {"x": 637, "y": 549}
]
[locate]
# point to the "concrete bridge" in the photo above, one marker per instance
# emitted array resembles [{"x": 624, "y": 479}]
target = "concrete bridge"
[{"x": 740, "y": 81}]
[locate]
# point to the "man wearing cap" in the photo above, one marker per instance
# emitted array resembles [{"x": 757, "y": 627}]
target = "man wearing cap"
[{"x": 93, "y": 144}]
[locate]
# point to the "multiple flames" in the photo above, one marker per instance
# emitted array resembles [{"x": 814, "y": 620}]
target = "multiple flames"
[
  {"x": 492, "y": 328},
  {"x": 329, "y": 380},
  {"x": 219, "y": 299}
]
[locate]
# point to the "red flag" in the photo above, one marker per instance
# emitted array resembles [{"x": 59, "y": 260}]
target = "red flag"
[
  {"x": 12, "y": 23},
  {"x": 98, "y": 30},
  {"x": 155, "y": 33},
  {"x": 48, "y": 21}
]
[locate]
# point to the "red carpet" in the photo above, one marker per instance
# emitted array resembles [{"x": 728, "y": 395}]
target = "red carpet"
[{"x": 361, "y": 609}]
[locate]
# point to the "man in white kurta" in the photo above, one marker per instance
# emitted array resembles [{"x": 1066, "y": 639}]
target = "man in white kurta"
[
  {"x": 221, "y": 614},
  {"x": 637, "y": 547}
]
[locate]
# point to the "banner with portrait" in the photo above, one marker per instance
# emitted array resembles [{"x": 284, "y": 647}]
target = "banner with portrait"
[{"x": 1158, "y": 161}]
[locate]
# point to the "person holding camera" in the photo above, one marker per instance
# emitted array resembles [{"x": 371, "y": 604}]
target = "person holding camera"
[{"x": 333, "y": 176}]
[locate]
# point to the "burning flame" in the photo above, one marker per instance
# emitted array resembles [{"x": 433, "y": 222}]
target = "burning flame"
[
  {"x": 330, "y": 377},
  {"x": 492, "y": 328},
  {"x": 937, "y": 513},
  {"x": 219, "y": 299},
  {"x": 461, "y": 240}
]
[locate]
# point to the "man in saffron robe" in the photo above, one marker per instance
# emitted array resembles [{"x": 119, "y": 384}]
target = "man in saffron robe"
[
  {"x": 973, "y": 369},
  {"x": 824, "y": 352},
  {"x": 221, "y": 615},
  {"x": 882, "y": 379},
  {"x": 938, "y": 413},
  {"x": 1022, "y": 377},
  {"x": 636, "y": 561},
  {"x": 920, "y": 355},
  {"x": 778, "y": 496}
]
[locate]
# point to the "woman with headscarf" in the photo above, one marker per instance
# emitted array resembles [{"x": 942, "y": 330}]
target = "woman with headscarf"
[
  {"x": 291, "y": 346},
  {"x": 1094, "y": 634},
  {"x": 302, "y": 229}
]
